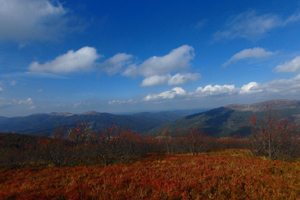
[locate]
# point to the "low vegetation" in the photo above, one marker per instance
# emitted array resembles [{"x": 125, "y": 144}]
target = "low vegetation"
[{"x": 169, "y": 176}]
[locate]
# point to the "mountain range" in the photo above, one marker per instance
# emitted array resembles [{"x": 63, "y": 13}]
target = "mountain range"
[
  {"x": 220, "y": 122},
  {"x": 45, "y": 123}
]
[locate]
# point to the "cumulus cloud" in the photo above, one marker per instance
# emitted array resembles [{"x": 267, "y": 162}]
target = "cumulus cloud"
[
  {"x": 175, "y": 92},
  {"x": 177, "y": 59},
  {"x": 114, "y": 64},
  {"x": 200, "y": 92},
  {"x": 216, "y": 90},
  {"x": 252, "y": 26},
  {"x": 290, "y": 66},
  {"x": 31, "y": 19},
  {"x": 157, "y": 70},
  {"x": 79, "y": 60},
  {"x": 250, "y": 88},
  {"x": 282, "y": 88},
  {"x": 257, "y": 52}
]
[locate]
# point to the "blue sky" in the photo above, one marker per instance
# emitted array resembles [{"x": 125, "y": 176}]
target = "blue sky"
[{"x": 129, "y": 56}]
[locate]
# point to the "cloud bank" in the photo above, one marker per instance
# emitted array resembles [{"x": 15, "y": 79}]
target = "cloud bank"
[{"x": 280, "y": 88}]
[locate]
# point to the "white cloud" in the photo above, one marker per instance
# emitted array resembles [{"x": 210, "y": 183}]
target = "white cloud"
[
  {"x": 175, "y": 92},
  {"x": 28, "y": 101},
  {"x": 283, "y": 88},
  {"x": 156, "y": 80},
  {"x": 257, "y": 52},
  {"x": 1, "y": 89},
  {"x": 157, "y": 70},
  {"x": 31, "y": 19},
  {"x": 131, "y": 71},
  {"x": 114, "y": 64},
  {"x": 210, "y": 96},
  {"x": 250, "y": 88},
  {"x": 177, "y": 59},
  {"x": 216, "y": 90},
  {"x": 179, "y": 79},
  {"x": 16, "y": 107},
  {"x": 200, "y": 93},
  {"x": 251, "y": 26},
  {"x": 291, "y": 66},
  {"x": 80, "y": 60}
]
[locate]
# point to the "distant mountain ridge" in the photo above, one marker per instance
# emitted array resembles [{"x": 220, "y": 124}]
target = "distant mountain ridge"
[
  {"x": 220, "y": 122},
  {"x": 229, "y": 120},
  {"x": 45, "y": 123}
]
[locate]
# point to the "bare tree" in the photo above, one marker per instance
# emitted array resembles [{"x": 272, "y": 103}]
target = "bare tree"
[
  {"x": 274, "y": 138},
  {"x": 55, "y": 149},
  {"x": 196, "y": 141}
]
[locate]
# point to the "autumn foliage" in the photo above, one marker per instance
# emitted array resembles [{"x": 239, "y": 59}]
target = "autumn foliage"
[{"x": 159, "y": 177}]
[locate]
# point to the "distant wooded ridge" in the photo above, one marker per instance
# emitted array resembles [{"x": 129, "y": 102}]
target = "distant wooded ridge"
[{"x": 221, "y": 122}]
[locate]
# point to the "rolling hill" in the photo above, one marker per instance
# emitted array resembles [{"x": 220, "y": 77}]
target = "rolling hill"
[{"x": 230, "y": 120}]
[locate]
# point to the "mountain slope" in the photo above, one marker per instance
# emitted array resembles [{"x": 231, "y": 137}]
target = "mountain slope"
[{"x": 230, "y": 120}]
